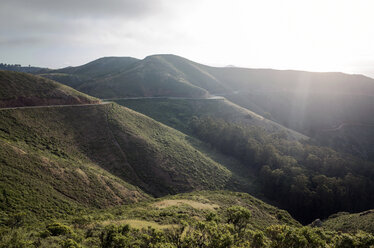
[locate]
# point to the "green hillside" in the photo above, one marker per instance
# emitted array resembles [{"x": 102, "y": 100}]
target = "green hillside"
[
  {"x": 285, "y": 165},
  {"x": 44, "y": 170},
  {"x": 129, "y": 145},
  {"x": 178, "y": 113},
  {"x": 22, "y": 89},
  {"x": 126, "y": 77},
  {"x": 76, "y": 76},
  {"x": 333, "y": 108},
  {"x": 346, "y": 222}
]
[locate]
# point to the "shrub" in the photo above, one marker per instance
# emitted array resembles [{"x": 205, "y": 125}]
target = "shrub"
[
  {"x": 57, "y": 229},
  {"x": 238, "y": 216}
]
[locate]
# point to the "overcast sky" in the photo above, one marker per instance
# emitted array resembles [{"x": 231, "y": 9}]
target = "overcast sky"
[{"x": 316, "y": 35}]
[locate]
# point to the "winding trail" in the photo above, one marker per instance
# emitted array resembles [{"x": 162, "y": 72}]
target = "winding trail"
[
  {"x": 54, "y": 106},
  {"x": 108, "y": 101},
  {"x": 212, "y": 97}
]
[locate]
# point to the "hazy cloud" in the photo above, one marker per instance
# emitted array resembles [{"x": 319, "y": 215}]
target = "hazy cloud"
[
  {"x": 82, "y": 8},
  {"x": 291, "y": 34}
]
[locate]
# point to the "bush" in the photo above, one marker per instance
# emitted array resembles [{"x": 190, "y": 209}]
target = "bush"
[
  {"x": 238, "y": 216},
  {"x": 57, "y": 229},
  {"x": 70, "y": 244}
]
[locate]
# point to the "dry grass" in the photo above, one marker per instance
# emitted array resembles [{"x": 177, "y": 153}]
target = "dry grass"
[
  {"x": 139, "y": 224},
  {"x": 194, "y": 204}
]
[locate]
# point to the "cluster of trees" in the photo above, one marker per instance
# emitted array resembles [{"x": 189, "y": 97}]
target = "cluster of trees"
[
  {"x": 4, "y": 65},
  {"x": 19, "y": 68},
  {"x": 309, "y": 181}
]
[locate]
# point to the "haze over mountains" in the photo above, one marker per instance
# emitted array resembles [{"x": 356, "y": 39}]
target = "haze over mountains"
[{"x": 97, "y": 153}]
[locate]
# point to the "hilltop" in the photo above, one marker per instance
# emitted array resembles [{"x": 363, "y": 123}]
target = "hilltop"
[
  {"x": 126, "y": 77},
  {"x": 22, "y": 89}
]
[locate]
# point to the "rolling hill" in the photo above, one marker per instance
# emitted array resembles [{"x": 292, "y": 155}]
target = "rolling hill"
[
  {"x": 314, "y": 104},
  {"x": 88, "y": 155},
  {"x": 128, "y": 77}
]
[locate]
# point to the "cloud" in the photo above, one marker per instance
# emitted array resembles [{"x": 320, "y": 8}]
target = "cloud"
[
  {"x": 36, "y": 22},
  {"x": 245, "y": 33},
  {"x": 84, "y": 8}
]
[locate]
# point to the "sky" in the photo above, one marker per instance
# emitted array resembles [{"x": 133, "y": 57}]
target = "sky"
[{"x": 313, "y": 35}]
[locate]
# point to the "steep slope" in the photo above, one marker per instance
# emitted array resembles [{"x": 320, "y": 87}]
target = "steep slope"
[
  {"x": 178, "y": 113},
  {"x": 315, "y": 104},
  {"x": 21, "y": 89},
  {"x": 43, "y": 171},
  {"x": 129, "y": 145}
]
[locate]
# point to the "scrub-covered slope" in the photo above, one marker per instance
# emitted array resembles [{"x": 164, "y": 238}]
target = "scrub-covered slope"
[
  {"x": 129, "y": 145},
  {"x": 22, "y": 89}
]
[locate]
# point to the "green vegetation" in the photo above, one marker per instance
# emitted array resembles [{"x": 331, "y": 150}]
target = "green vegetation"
[
  {"x": 178, "y": 113},
  {"x": 285, "y": 168},
  {"x": 298, "y": 176},
  {"x": 85, "y": 154},
  {"x": 347, "y": 222},
  {"x": 314, "y": 104},
  {"x": 126, "y": 77},
  {"x": 22, "y": 89},
  {"x": 237, "y": 220},
  {"x": 86, "y": 175}
]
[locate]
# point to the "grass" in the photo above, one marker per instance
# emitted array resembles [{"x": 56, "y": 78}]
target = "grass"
[
  {"x": 58, "y": 161},
  {"x": 346, "y": 222},
  {"x": 139, "y": 224},
  {"x": 178, "y": 113},
  {"x": 22, "y": 89},
  {"x": 194, "y": 204},
  {"x": 152, "y": 76}
]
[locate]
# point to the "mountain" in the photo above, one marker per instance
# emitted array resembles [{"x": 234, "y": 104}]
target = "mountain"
[
  {"x": 83, "y": 153},
  {"x": 335, "y": 109},
  {"x": 22, "y": 89},
  {"x": 152, "y": 76}
]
